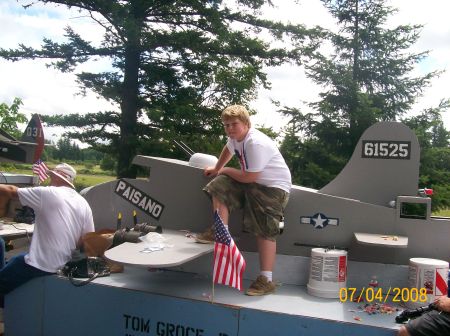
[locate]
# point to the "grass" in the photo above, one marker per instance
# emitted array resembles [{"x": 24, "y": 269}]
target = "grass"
[
  {"x": 87, "y": 174},
  {"x": 442, "y": 213},
  {"x": 84, "y": 180}
]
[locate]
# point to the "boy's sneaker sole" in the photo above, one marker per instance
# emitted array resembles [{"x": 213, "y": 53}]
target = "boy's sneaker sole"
[
  {"x": 261, "y": 287},
  {"x": 251, "y": 293},
  {"x": 203, "y": 241},
  {"x": 206, "y": 237}
]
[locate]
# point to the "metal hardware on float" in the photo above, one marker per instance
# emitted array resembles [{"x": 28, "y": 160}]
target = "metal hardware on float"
[
  {"x": 413, "y": 313},
  {"x": 132, "y": 235},
  {"x": 146, "y": 228}
]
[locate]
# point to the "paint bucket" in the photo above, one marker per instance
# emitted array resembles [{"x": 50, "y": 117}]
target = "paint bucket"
[
  {"x": 328, "y": 272},
  {"x": 429, "y": 275}
]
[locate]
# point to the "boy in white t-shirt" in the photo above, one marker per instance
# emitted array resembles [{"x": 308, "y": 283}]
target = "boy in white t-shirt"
[
  {"x": 62, "y": 217},
  {"x": 261, "y": 188}
]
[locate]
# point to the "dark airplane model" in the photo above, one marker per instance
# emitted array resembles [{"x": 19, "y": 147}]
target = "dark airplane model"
[{"x": 26, "y": 150}]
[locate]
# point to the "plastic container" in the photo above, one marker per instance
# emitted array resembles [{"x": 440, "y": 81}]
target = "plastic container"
[
  {"x": 328, "y": 272},
  {"x": 430, "y": 274},
  {"x": 201, "y": 160}
]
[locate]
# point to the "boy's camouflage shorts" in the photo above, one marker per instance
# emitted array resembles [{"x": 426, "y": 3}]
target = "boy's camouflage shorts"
[{"x": 263, "y": 206}]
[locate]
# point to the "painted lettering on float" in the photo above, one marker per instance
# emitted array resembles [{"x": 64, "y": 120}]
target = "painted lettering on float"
[
  {"x": 139, "y": 199},
  {"x": 170, "y": 329},
  {"x": 136, "y": 324}
]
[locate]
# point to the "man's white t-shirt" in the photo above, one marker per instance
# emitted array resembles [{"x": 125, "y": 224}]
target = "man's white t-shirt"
[
  {"x": 258, "y": 153},
  {"x": 62, "y": 216}
]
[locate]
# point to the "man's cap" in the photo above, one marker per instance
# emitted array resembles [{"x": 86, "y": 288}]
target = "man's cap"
[{"x": 66, "y": 172}]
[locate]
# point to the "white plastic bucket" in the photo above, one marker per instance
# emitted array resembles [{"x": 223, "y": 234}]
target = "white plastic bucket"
[
  {"x": 328, "y": 272},
  {"x": 430, "y": 274}
]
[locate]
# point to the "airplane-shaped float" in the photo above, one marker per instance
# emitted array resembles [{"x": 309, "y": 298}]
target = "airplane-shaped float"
[
  {"x": 26, "y": 150},
  {"x": 372, "y": 208}
]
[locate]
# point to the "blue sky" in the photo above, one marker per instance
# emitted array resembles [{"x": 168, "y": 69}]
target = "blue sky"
[{"x": 47, "y": 91}]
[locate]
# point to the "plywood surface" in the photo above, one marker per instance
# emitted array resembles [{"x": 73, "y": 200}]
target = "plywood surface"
[{"x": 180, "y": 248}]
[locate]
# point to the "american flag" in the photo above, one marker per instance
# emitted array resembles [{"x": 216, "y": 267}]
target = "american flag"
[
  {"x": 40, "y": 169},
  {"x": 229, "y": 264}
]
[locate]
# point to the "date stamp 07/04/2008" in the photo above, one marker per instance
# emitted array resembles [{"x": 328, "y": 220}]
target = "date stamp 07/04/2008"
[{"x": 380, "y": 295}]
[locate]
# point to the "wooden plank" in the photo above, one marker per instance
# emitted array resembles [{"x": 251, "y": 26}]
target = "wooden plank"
[
  {"x": 381, "y": 240},
  {"x": 180, "y": 249},
  {"x": 13, "y": 230}
]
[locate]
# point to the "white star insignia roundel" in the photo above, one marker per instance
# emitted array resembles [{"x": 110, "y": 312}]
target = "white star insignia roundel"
[{"x": 319, "y": 220}]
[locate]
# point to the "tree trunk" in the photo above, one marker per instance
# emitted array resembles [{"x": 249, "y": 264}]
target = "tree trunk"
[
  {"x": 129, "y": 107},
  {"x": 353, "y": 108}
]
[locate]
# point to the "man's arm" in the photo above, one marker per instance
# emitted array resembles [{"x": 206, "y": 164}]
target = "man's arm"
[
  {"x": 224, "y": 158},
  {"x": 235, "y": 174},
  {"x": 8, "y": 191},
  {"x": 239, "y": 175},
  {"x": 443, "y": 303}
]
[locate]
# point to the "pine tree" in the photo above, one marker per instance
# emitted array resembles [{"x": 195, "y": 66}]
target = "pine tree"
[
  {"x": 366, "y": 78},
  {"x": 176, "y": 65}
]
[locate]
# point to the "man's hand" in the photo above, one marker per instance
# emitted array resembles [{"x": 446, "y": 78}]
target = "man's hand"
[
  {"x": 8, "y": 191},
  {"x": 210, "y": 171},
  {"x": 443, "y": 304}
]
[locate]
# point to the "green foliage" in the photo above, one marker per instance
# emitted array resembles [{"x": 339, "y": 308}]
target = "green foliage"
[
  {"x": 268, "y": 131},
  {"x": 90, "y": 154},
  {"x": 442, "y": 213},
  {"x": 108, "y": 163},
  {"x": 367, "y": 78},
  {"x": 176, "y": 64},
  {"x": 86, "y": 180},
  {"x": 89, "y": 166},
  {"x": 83, "y": 180},
  {"x": 429, "y": 126},
  {"x": 310, "y": 161},
  {"x": 67, "y": 150},
  {"x": 434, "y": 141},
  {"x": 49, "y": 152},
  {"x": 10, "y": 117}
]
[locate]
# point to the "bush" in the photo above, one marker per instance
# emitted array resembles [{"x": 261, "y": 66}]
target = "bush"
[{"x": 108, "y": 163}]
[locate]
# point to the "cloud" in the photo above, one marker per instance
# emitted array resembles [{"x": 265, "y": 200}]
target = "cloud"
[
  {"x": 47, "y": 91},
  {"x": 290, "y": 84}
]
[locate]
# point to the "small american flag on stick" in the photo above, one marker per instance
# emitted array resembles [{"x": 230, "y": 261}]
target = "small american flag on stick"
[
  {"x": 229, "y": 264},
  {"x": 40, "y": 169}
]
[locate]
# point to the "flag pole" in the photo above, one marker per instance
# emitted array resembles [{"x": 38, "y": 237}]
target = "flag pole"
[
  {"x": 212, "y": 296},
  {"x": 214, "y": 261},
  {"x": 229, "y": 263}
]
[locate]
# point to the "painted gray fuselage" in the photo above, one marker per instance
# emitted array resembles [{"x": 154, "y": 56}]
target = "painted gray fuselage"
[{"x": 365, "y": 197}]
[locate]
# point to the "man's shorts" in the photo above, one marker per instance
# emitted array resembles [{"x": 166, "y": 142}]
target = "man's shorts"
[
  {"x": 263, "y": 206},
  {"x": 433, "y": 323}
]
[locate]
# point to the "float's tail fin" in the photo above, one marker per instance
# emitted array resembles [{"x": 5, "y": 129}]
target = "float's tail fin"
[
  {"x": 384, "y": 165},
  {"x": 30, "y": 146},
  {"x": 34, "y": 134}
]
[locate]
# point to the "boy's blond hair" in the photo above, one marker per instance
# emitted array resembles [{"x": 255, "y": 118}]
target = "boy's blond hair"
[{"x": 236, "y": 111}]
